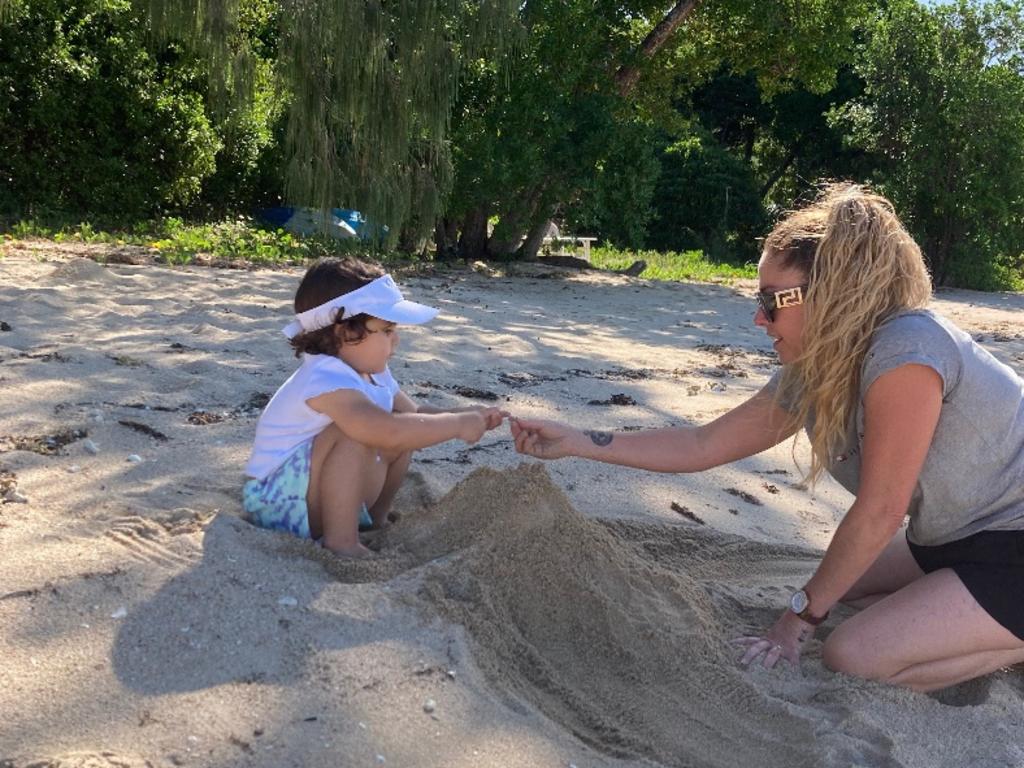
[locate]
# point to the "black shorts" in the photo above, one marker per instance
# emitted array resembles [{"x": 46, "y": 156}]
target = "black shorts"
[{"x": 991, "y": 566}]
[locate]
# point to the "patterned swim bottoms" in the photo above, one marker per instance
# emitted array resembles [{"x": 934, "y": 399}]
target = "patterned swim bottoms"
[{"x": 278, "y": 501}]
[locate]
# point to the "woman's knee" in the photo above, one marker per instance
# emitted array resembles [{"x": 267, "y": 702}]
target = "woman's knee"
[{"x": 848, "y": 652}]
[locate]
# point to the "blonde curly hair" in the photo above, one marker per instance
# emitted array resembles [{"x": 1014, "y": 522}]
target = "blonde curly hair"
[{"x": 862, "y": 267}]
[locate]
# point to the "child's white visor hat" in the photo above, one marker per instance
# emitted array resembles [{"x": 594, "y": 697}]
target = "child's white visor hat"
[{"x": 381, "y": 298}]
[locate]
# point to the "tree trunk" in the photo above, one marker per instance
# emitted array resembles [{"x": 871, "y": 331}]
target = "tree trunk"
[
  {"x": 514, "y": 226},
  {"x": 535, "y": 238},
  {"x": 473, "y": 241},
  {"x": 409, "y": 241},
  {"x": 445, "y": 232},
  {"x": 774, "y": 178},
  {"x": 627, "y": 76}
]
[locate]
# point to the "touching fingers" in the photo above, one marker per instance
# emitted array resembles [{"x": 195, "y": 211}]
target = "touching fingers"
[{"x": 520, "y": 438}]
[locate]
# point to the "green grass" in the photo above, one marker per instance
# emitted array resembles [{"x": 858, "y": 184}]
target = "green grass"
[
  {"x": 687, "y": 265},
  {"x": 174, "y": 241}
]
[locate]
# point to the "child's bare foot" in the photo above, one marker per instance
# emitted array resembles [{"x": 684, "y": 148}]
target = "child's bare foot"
[{"x": 356, "y": 552}]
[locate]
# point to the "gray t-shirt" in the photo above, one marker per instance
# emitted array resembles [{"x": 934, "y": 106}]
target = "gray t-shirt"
[{"x": 973, "y": 476}]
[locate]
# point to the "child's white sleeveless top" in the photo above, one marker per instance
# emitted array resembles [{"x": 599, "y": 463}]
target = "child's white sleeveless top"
[{"x": 287, "y": 421}]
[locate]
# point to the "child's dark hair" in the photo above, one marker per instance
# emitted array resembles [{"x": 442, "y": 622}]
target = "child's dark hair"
[{"x": 325, "y": 280}]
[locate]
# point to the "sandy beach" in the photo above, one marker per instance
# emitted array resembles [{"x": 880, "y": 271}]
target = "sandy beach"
[{"x": 519, "y": 614}]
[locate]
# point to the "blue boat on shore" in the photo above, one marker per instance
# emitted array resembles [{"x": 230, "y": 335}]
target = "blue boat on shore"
[{"x": 340, "y": 223}]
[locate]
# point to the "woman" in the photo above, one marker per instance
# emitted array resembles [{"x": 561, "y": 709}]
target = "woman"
[{"x": 903, "y": 409}]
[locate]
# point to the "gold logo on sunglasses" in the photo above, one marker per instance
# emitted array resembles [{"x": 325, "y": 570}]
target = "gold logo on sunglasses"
[{"x": 790, "y": 297}]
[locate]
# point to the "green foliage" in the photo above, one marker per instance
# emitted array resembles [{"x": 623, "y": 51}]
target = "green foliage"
[
  {"x": 547, "y": 133},
  {"x": 736, "y": 117},
  {"x": 96, "y": 122},
  {"x": 780, "y": 45},
  {"x": 671, "y": 265},
  {"x": 943, "y": 115},
  {"x": 786, "y": 137},
  {"x": 542, "y": 129},
  {"x": 370, "y": 89},
  {"x": 707, "y": 198},
  {"x": 614, "y": 201},
  {"x": 179, "y": 243},
  {"x": 89, "y": 121},
  {"x": 175, "y": 241},
  {"x": 248, "y": 164}
]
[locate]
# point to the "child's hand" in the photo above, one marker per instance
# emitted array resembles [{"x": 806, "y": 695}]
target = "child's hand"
[
  {"x": 493, "y": 416},
  {"x": 472, "y": 425}
]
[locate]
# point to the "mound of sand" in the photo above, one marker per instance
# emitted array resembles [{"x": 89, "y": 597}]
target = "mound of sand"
[
  {"x": 619, "y": 630},
  {"x": 622, "y": 648},
  {"x": 80, "y": 270}
]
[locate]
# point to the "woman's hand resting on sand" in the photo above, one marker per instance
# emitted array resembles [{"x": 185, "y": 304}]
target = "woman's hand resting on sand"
[
  {"x": 544, "y": 439},
  {"x": 785, "y": 640}
]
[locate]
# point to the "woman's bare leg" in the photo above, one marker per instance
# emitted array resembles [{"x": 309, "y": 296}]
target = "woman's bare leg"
[
  {"x": 928, "y": 635},
  {"x": 894, "y": 569}
]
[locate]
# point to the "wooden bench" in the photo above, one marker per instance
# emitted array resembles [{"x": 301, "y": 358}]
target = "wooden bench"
[{"x": 574, "y": 240}]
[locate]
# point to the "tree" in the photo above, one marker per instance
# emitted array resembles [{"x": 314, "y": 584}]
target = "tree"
[
  {"x": 370, "y": 88},
  {"x": 588, "y": 76},
  {"x": 535, "y": 131},
  {"x": 786, "y": 138},
  {"x": 95, "y": 120},
  {"x": 943, "y": 111},
  {"x": 707, "y": 198},
  {"x": 92, "y": 122}
]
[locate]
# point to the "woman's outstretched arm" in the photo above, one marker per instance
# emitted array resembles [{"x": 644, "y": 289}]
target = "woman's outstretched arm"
[{"x": 757, "y": 424}]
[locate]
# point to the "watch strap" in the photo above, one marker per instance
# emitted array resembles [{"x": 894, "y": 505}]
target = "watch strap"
[{"x": 806, "y": 615}]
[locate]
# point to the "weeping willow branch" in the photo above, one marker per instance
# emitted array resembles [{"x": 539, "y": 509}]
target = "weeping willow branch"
[
  {"x": 7, "y": 8},
  {"x": 371, "y": 87},
  {"x": 209, "y": 27}
]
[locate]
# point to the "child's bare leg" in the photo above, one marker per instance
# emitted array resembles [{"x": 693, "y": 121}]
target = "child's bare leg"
[
  {"x": 343, "y": 475},
  {"x": 397, "y": 467}
]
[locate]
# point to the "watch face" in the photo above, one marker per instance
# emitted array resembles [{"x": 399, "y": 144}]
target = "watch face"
[{"x": 798, "y": 602}]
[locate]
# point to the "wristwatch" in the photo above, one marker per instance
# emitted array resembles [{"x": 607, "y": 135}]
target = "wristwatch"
[{"x": 800, "y": 604}]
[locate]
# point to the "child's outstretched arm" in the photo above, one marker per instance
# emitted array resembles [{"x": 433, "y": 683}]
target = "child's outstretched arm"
[
  {"x": 363, "y": 421},
  {"x": 493, "y": 415}
]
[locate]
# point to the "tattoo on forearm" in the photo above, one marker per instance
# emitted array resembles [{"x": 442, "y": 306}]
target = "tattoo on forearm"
[{"x": 599, "y": 438}]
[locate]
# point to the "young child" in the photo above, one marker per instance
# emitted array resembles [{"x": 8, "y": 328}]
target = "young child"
[{"x": 334, "y": 443}]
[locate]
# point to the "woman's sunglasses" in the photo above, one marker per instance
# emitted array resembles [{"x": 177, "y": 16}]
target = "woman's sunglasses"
[{"x": 769, "y": 301}]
